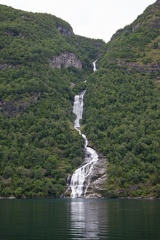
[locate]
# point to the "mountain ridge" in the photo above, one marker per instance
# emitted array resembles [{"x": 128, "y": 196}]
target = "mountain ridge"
[
  {"x": 39, "y": 146},
  {"x": 122, "y": 115}
]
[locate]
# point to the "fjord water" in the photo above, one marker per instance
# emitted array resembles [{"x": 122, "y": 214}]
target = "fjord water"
[{"x": 73, "y": 219}]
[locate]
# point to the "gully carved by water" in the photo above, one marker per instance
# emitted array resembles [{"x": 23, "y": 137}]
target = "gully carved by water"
[{"x": 81, "y": 178}]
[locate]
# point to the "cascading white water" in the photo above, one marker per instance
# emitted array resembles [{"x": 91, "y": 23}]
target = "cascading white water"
[
  {"x": 78, "y": 109},
  {"x": 94, "y": 66},
  {"x": 81, "y": 177}
]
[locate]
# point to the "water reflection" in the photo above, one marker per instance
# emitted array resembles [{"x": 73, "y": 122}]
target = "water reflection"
[
  {"x": 74, "y": 219},
  {"x": 87, "y": 220}
]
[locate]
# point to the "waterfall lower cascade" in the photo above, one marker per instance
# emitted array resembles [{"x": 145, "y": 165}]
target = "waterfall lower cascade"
[{"x": 80, "y": 179}]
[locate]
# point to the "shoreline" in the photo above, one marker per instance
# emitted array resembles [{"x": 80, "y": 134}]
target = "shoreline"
[{"x": 120, "y": 198}]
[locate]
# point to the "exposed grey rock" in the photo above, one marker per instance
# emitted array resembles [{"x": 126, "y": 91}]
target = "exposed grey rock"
[
  {"x": 66, "y": 59},
  {"x": 135, "y": 27},
  {"x": 65, "y": 31},
  {"x": 4, "y": 66},
  {"x": 11, "y": 197},
  {"x": 97, "y": 180},
  {"x": 12, "y": 108}
]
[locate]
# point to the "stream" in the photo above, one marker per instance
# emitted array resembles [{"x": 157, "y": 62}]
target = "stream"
[{"x": 80, "y": 179}]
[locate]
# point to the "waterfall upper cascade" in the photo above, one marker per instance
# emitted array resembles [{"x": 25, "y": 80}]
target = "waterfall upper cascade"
[
  {"x": 94, "y": 66},
  {"x": 80, "y": 179}
]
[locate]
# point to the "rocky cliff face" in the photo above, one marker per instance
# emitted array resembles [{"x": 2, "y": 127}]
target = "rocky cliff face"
[
  {"x": 64, "y": 31},
  {"x": 4, "y": 66},
  {"x": 12, "y": 108},
  {"x": 98, "y": 179},
  {"x": 66, "y": 59}
]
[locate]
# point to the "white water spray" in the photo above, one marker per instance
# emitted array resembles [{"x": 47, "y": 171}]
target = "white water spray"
[
  {"x": 81, "y": 177},
  {"x": 94, "y": 66}
]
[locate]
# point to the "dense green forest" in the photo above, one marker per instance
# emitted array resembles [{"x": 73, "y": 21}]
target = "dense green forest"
[
  {"x": 123, "y": 108},
  {"x": 38, "y": 144},
  {"x": 39, "y": 147}
]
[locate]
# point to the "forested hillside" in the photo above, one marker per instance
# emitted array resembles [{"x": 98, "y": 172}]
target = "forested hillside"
[
  {"x": 122, "y": 115},
  {"x": 43, "y": 64}
]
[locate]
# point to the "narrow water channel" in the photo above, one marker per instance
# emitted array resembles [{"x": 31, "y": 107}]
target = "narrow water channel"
[{"x": 80, "y": 179}]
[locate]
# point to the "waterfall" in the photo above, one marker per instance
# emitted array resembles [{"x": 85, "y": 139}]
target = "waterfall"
[
  {"x": 78, "y": 109},
  {"x": 94, "y": 66},
  {"x": 81, "y": 178}
]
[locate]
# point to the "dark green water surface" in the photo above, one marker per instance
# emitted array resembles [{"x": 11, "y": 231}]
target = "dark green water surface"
[{"x": 54, "y": 219}]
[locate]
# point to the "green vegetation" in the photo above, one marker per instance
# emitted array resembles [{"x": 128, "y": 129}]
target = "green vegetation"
[
  {"x": 38, "y": 144},
  {"x": 123, "y": 108},
  {"x": 122, "y": 122}
]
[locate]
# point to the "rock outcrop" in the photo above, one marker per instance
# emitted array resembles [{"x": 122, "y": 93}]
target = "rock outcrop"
[
  {"x": 12, "y": 108},
  {"x": 65, "y": 31},
  {"x": 98, "y": 179},
  {"x": 5, "y": 66},
  {"x": 65, "y": 60}
]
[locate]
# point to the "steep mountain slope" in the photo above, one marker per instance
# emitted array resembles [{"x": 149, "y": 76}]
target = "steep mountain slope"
[
  {"x": 123, "y": 107},
  {"x": 42, "y": 66},
  {"x": 137, "y": 44},
  {"x": 41, "y": 60}
]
